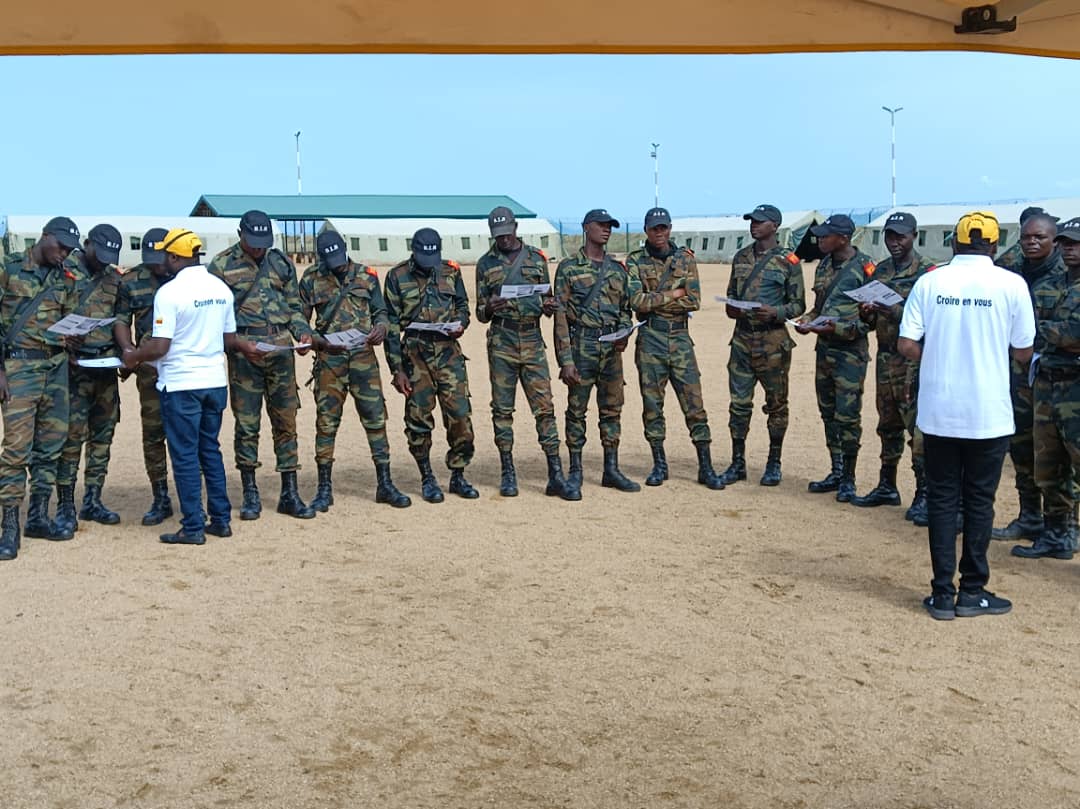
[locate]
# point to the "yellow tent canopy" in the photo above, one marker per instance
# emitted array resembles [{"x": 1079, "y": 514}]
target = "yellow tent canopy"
[{"x": 548, "y": 26}]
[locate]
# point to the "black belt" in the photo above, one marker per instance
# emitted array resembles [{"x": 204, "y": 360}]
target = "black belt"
[
  {"x": 758, "y": 328},
  {"x": 530, "y": 325},
  {"x": 1059, "y": 374},
  {"x": 587, "y": 333},
  {"x": 429, "y": 336},
  {"x": 259, "y": 331},
  {"x": 663, "y": 324},
  {"x": 100, "y": 351},
  {"x": 31, "y": 353}
]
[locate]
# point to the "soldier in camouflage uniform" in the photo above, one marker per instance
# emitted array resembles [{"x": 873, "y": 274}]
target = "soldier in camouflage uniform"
[
  {"x": 1057, "y": 399},
  {"x": 515, "y": 348},
  {"x": 594, "y": 296},
  {"x": 664, "y": 289},
  {"x": 343, "y": 295},
  {"x": 1013, "y": 258},
  {"x": 35, "y": 292},
  {"x": 429, "y": 365},
  {"x": 765, "y": 273},
  {"x": 135, "y": 310},
  {"x": 268, "y": 310},
  {"x": 94, "y": 395},
  {"x": 1041, "y": 259},
  {"x": 897, "y": 376},
  {"x": 842, "y": 350}
]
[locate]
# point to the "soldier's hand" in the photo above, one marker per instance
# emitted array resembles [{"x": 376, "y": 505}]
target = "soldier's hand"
[
  {"x": 549, "y": 306},
  {"x": 249, "y": 350},
  {"x": 401, "y": 383},
  {"x": 74, "y": 341},
  {"x": 307, "y": 340},
  {"x": 825, "y": 328},
  {"x": 130, "y": 361},
  {"x": 731, "y": 311},
  {"x": 801, "y": 328},
  {"x": 5, "y": 394},
  {"x": 569, "y": 375},
  {"x": 620, "y": 345},
  {"x": 678, "y": 293},
  {"x": 124, "y": 373},
  {"x": 496, "y": 304},
  {"x": 376, "y": 335},
  {"x": 456, "y": 333},
  {"x": 765, "y": 313}
]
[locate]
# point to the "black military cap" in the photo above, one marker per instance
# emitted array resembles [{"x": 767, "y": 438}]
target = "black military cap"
[
  {"x": 106, "y": 241},
  {"x": 901, "y": 222},
  {"x": 1069, "y": 230},
  {"x": 765, "y": 213},
  {"x": 839, "y": 223},
  {"x": 1027, "y": 213},
  {"x": 65, "y": 231},
  {"x": 657, "y": 216},
  {"x": 600, "y": 215},
  {"x": 256, "y": 230},
  {"x": 149, "y": 239},
  {"x": 331, "y": 249},
  {"x": 427, "y": 248},
  {"x": 501, "y": 221}
]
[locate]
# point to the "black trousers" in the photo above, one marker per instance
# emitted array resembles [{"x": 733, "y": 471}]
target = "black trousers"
[{"x": 967, "y": 470}]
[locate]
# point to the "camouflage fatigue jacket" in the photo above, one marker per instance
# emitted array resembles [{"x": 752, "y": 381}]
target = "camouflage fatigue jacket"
[
  {"x": 852, "y": 274},
  {"x": 887, "y": 324},
  {"x": 276, "y": 301},
  {"x": 780, "y": 282},
  {"x": 1035, "y": 274},
  {"x": 652, "y": 280},
  {"x": 361, "y": 307},
  {"x": 491, "y": 272},
  {"x": 1012, "y": 259},
  {"x": 608, "y": 311},
  {"x": 97, "y": 294},
  {"x": 135, "y": 299},
  {"x": 20, "y": 282},
  {"x": 1057, "y": 313},
  {"x": 412, "y": 295}
]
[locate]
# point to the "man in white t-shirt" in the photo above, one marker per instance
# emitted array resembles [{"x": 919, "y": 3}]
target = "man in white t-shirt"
[
  {"x": 962, "y": 321},
  {"x": 193, "y": 325}
]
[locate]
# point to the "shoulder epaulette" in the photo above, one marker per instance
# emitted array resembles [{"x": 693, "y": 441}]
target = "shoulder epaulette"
[
  {"x": 931, "y": 268},
  {"x": 791, "y": 259},
  {"x": 691, "y": 252},
  {"x": 69, "y": 274},
  {"x": 371, "y": 271},
  {"x": 453, "y": 264},
  {"x": 543, "y": 255},
  {"x": 868, "y": 269}
]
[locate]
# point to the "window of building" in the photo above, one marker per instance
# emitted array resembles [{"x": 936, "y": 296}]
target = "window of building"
[
  {"x": 690, "y": 243},
  {"x": 946, "y": 235},
  {"x": 383, "y": 246},
  {"x": 408, "y": 245},
  {"x": 355, "y": 242},
  {"x": 543, "y": 241},
  {"x": 136, "y": 243},
  {"x": 28, "y": 243},
  {"x": 1004, "y": 238},
  {"x": 704, "y": 243},
  {"x": 466, "y": 243},
  {"x": 922, "y": 238},
  {"x": 720, "y": 243},
  {"x": 738, "y": 242},
  {"x": 877, "y": 238}
]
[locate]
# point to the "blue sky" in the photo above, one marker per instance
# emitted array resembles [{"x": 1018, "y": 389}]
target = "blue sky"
[{"x": 148, "y": 135}]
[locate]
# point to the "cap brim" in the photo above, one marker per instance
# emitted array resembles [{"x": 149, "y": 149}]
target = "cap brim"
[
  {"x": 758, "y": 216},
  {"x": 153, "y": 257},
  {"x": 336, "y": 259},
  {"x": 504, "y": 229},
  {"x": 258, "y": 242},
  {"x": 1069, "y": 237},
  {"x": 899, "y": 227},
  {"x": 821, "y": 230},
  {"x": 428, "y": 260},
  {"x": 106, "y": 255},
  {"x": 651, "y": 223},
  {"x": 66, "y": 239}
]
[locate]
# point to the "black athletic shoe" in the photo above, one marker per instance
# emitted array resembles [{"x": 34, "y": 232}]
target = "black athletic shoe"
[
  {"x": 981, "y": 602},
  {"x": 941, "y": 607}
]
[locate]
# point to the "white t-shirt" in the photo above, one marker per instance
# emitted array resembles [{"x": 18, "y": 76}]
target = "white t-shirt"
[
  {"x": 195, "y": 311},
  {"x": 970, "y": 313}
]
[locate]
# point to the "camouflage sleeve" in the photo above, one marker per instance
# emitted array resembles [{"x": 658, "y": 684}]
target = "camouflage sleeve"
[
  {"x": 626, "y": 311},
  {"x": 305, "y": 290},
  {"x": 378, "y": 305},
  {"x": 794, "y": 293},
  {"x": 392, "y": 300},
  {"x": 691, "y": 302},
  {"x": 482, "y": 291},
  {"x": 122, "y": 309},
  {"x": 849, "y": 326},
  {"x": 564, "y": 354},
  {"x": 298, "y": 324},
  {"x": 1063, "y": 333},
  {"x": 216, "y": 267},
  {"x": 461, "y": 301}
]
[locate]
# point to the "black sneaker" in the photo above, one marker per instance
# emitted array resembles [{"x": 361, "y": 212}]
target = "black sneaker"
[
  {"x": 981, "y": 602},
  {"x": 218, "y": 529},
  {"x": 941, "y": 607}
]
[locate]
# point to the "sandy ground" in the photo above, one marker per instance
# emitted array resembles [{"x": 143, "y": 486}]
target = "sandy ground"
[{"x": 677, "y": 647}]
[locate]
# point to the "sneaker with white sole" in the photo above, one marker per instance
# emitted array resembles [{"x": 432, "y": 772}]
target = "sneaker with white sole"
[
  {"x": 940, "y": 606},
  {"x": 981, "y": 602}
]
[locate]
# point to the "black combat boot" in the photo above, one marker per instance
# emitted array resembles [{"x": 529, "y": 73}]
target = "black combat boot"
[
  {"x": 1028, "y": 525},
  {"x": 557, "y": 485},
  {"x": 613, "y": 478},
  {"x": 508, "y": 484},
  {"x": 251, "y": 508},
  {"x": 772, "y": 474},
  {"x": 884, "y": 494},
  {"x": 65, "y": 508},
  {"x": 38, "y": 525},
  {"x": 917, "y": 511},
  {"x": 831, "y": 482},
  {"x": 659, "y": 471},
  {"x": 706, "y": 475},
  {"x": 576, "y": 477},
  {"x": 9, "y": 535},
  {"x": 461, "y": 487},
  {"x": 736, "y": 470},
  {"x": 429, "y": 487},
  {"x": 845, "y": 492},
  {"x": 324, "y": 493},
  {"x": 1053, "y": 541},
  {"x": 93, "y": 509},
  {"x": 161, "y": 508},
  {"x": 385, "y": 490},
  {"x": 1074, "y": 527},
  {"x": 290, "y": 502}
]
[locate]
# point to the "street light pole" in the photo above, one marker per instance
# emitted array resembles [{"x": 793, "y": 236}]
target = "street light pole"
[
  {"x": 299, "y": 185},
  {"x": 892, "y": 127},
  {"x": 655, "y": 155}
]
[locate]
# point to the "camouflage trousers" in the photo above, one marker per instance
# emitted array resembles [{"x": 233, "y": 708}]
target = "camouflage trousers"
[
  {"x": 1022, "y": 443},
  {"x": 663, "y": 353},
  {"x": 755, "y": 357},
  {"x": 897, "y": 394},
  {"x": 272, "y": 377},
  {"x": 93, "y": 410},
  {"x": 839, "y": 376},
  {"x": 153, "y": 430},
  {"x": 35, "y": 426},
  {"x": 518, "y": 357},
  {"x": 337, "y": 377},
  {"x": 599, "y": 365},
  {"x": 436, "y": 371},
  {"x": 1057, "y": 442}
]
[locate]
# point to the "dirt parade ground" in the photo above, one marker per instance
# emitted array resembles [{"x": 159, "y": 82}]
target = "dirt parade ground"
[{"x": 679, "y": 647}]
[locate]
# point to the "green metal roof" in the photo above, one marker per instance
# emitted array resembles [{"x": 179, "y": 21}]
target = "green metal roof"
[{"x": 358, "y": 206}]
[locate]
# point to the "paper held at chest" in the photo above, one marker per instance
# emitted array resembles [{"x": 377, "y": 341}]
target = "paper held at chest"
[
  {"x": 442, "y": 328},
  {"x": 511, "y": 291},
  {"x": 350, "y": 339},
  {"x": 875, "y": 292},
  {"x": 77, "y": 325},
  {"x": 734, "y": 304},
  {"x": 615, "y": 336}
]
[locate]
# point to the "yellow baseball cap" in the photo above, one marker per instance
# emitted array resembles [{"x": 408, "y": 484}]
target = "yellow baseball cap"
[
  {"x": 180, "y": 242},
  {"x": 982, "y": 222}
]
